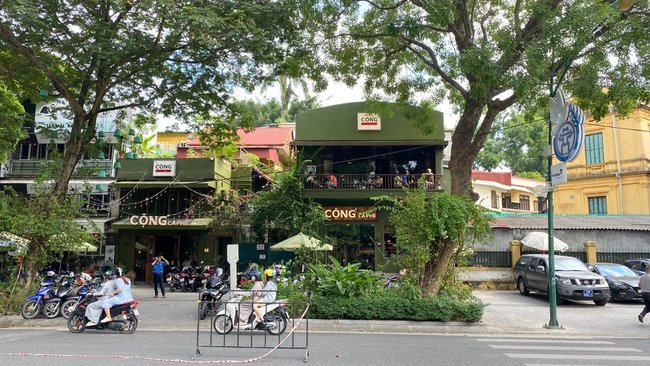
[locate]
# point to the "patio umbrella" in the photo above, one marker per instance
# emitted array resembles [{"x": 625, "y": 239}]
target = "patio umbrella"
[
  {"x": 85, "y": 247},
  {"x": 299, "y": 240},
  {"x": 15, "y": 244},
  {"x": 539, "y": 240}
]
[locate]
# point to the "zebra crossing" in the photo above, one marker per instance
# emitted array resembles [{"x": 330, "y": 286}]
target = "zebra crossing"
[{"x": 534, "y": 350}]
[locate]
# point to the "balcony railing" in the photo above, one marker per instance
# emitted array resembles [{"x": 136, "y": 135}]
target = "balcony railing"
[
  {"x": 33, "y": 167},
  {"x": 376, "y": 181}
]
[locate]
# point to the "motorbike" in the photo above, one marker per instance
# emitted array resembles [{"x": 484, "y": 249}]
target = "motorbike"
[
  {"x": 211, "y": 294},
  {"x": 275, "y": 317},
  {"x": 78, "y": 294},
  {"x": 52, "y": 307},
  {"x": 33, "y": 304},
  {"x": 173, "y": 279},
  {"x": 125, "y": 317}
]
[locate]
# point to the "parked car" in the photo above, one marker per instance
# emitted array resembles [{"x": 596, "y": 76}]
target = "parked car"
[
  {"x": 638, "y": 265},
  {"x": 623, "y": 282},
  {"x": 573, "y": 280}
]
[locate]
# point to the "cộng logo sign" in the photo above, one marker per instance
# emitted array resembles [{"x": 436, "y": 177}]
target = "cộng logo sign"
[
  {"x": 368, "y": 122},
  {"x": 164, "y": 168}
]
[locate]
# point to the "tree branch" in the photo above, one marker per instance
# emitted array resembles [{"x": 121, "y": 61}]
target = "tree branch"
[
  {"x": 378, "y": 7},
  {"x": 432, "y": 61},
  {"x": 58, "y": 83}
]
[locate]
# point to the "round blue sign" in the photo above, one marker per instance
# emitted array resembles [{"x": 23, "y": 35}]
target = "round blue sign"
[{"x": 569, "y": 136}]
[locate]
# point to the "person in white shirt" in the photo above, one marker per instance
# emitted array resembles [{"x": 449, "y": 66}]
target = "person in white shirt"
[{"x": 644, "y": 287}]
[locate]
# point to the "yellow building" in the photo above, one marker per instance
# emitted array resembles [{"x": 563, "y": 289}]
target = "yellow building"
[
  {"x": 170, "y": 141},
  {"x": 611, "y": 175}
]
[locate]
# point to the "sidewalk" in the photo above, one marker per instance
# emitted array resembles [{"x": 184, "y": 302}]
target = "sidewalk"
[{"x": 178, "y": 312}]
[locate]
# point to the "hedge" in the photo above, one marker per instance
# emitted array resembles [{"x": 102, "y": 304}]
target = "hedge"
[{"x": 440, "y": 308}]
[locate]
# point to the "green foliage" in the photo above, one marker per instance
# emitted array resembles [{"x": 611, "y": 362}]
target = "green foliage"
[
  {"x": 516, "y": 142},
  {"x": 159, "y": 57},
  {"x": 433, "y": 229},
  {"x": 340, "y": 281},
  {"x": 11, "y": 123},
  {"x": 48, "y": 224},
  {"x": 531, "y": 175},
  {"x": 483, "y": 57},
  {"x": 284, "y": 210},
  {"x": 394, "y": 307}
]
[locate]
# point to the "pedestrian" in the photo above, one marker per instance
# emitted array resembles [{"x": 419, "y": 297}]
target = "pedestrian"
[
  {"x": 158, "y": 269},
  {"x": 644, "y": 287}
]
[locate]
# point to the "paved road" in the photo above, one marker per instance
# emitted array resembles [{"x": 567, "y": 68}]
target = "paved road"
[{"x": 506, "y": 312}]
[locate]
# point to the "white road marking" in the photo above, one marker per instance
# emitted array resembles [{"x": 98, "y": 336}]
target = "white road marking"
[
  {"x": 553, "y": 341},
  {"x": 563, "y": 348},
  {"x": 578, "y": 357}
]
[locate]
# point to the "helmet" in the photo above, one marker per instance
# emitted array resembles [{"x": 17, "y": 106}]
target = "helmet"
[
  {"x": 269, "y": 272},
  {"x": 119, "y": 272},
  {"x": 109, "y": 273},
  {"x": 255, "y": 273},
  {"x": 50, "y": 273}
]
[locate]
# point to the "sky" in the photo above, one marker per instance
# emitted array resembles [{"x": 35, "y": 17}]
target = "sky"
[{"x": 336, "y": 93}]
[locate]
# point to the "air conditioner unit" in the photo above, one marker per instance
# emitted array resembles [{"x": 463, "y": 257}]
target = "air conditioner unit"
[{"x": 182, "y": 144}]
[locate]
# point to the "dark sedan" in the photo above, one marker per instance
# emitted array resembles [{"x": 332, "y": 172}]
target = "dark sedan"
[{"x": 623, "y": 282}]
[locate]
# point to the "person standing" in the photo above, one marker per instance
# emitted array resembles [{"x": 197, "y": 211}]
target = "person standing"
[
  {"x": 158, "y": 269},
  {"x": 644, "y": 287}
]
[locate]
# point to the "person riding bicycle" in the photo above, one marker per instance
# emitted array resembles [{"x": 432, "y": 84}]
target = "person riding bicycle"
[
  {"x": 94, "y": 309},
  {"x": 120, "y": 295}
]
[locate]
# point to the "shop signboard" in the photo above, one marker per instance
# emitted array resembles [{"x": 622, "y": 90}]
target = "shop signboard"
[
  {"x": 164, "y": 168},
  {"x": 368, "y": 122},
  {"x": 350, "y": 213}
]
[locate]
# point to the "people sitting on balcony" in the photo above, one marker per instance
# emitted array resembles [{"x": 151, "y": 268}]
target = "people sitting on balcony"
[
  {"x": 428, "y": 179},
  {"x": 310, "y": 181},
  {"x": 332, "y": 182},
  {"x": 379, "y": 181},
  {"x": 397, "y": 181}
]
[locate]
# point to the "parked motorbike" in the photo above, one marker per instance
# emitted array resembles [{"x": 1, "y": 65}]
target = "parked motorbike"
[
  {"x": 275, "y": 317},
  {"x": 33, "y": 304},
  {"x": 125, "y": 317},
  {"x": 212, "y": 293},
  {"x": 78, "y": 294},
  {"x": 173, "y": 279},
  {"x": 52, "y": 306}
]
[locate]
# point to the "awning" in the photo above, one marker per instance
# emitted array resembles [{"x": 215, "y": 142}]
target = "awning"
[
  {"x": 151, "y": 223},
  {"x": 163, "y": 184}
]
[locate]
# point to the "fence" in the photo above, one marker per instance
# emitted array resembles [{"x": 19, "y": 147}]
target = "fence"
[
  {"x": 231, "y": 324},
  {"x": 490, "y": 259},
  {"x": 620, "y": 257}
]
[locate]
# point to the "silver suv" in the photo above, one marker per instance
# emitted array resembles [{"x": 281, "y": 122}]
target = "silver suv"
[{"x": 573, "y": 280}]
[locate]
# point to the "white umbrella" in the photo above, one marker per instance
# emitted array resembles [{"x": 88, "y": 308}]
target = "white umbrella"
[
  {"x": 300, "y": 240},
  {"x": 13, "y": 241},
  {"x": 85, "y": 247},
  {"x": 539, "y": 240}
]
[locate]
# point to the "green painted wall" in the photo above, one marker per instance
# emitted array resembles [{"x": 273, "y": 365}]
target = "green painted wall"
[
  {"x": 339, "y": 123},
  {"x": 199, "y": 169}
]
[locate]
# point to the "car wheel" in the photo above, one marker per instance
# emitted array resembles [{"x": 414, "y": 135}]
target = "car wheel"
[
  {"x": 600, "y": 302},
  {"x": 521, "y": 286}
]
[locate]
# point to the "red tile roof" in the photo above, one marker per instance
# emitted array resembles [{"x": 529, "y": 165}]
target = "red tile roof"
[{"x": 266, "y": 136}]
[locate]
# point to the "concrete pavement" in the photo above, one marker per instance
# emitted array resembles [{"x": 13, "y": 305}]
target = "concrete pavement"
[{"x": 506, "y": 312}]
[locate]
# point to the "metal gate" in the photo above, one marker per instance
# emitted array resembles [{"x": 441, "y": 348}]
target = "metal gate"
[{"x": 227, "y": 324}]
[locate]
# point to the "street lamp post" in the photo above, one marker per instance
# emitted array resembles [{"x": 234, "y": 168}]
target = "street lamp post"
[{"x": 622, "y": 5}]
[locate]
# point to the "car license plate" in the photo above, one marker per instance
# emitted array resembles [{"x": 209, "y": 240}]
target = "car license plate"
[
  {"x": 136, "y": 312},
  {"x": 588, "y": 293}
]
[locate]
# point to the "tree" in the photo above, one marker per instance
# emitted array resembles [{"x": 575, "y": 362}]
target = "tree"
[
  {"x": 517, "y": 142},
  {"x": 485, "y": 56},
  {"x": 48, "y": 224},
  {"x": 284, "y": 210},
  {"x": 155, "y": 56},
  {"x": 432, "y": 230},
  {"x": 11, "y": 123}
]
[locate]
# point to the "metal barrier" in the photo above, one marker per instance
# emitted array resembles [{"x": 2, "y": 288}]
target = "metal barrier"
[{"x": 230, "y": 323}]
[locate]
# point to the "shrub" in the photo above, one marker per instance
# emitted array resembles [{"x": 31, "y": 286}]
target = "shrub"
[
  {"x": 336, "y": 280},
  {"x": 443, "y": 307}
]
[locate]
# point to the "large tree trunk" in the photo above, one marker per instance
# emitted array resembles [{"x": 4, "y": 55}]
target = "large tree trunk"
[
  {"x": 462, "y": 149},
  {"x": 435, "y": 270},
  {"x": 74, "y": 150}
]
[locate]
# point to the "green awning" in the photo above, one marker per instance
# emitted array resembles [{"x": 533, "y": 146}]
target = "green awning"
[{"x": 163, "y": 184}]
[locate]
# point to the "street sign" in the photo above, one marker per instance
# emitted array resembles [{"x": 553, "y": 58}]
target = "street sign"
[{"x": 558, "y": 174}]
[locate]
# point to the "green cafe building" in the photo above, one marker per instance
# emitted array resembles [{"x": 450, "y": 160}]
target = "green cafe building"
[
  {"x": 370, "y": 149},
  {"x": 167, "y": 206}
]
